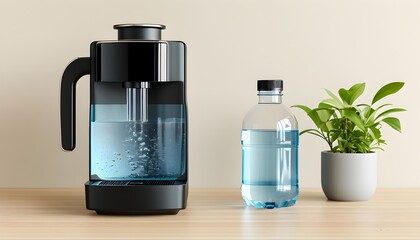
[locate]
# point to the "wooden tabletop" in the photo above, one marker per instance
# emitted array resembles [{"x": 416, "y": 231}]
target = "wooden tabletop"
[{"x": 212, "y": 214}]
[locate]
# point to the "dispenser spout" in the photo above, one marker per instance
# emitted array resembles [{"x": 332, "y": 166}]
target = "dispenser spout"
[{"x": 137, "y": 102}]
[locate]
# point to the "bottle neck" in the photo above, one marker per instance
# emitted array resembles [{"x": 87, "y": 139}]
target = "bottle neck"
[{"x": 270, "y": 97}]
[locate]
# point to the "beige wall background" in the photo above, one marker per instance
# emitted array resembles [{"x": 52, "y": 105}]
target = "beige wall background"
[{"x": 310, "y": 44}]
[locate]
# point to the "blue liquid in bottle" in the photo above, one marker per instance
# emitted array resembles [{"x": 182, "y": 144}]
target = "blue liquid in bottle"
[
  {"x": 270, "y": 168},
  {"x": 270, "y": 140}
]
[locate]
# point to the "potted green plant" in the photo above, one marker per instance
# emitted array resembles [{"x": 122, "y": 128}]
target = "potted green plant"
[{"x": 353, "y": 133}]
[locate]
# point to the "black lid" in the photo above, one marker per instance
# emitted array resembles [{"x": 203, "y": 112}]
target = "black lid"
[
  {"x": 270, "y": 85},
  {"x": 139, "y": 31}
]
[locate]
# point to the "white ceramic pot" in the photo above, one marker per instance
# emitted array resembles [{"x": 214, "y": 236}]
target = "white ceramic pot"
[{"x": 348, "y": 176}]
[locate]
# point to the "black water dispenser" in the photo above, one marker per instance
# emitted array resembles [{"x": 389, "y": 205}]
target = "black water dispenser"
[{"x": 138, "y": 156}]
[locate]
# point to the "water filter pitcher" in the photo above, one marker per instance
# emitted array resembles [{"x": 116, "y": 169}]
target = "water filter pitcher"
[{"x": 138, "y": 122}]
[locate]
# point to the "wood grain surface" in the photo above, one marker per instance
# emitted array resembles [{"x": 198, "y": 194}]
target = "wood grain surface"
[{"x": 212, "y": 214}]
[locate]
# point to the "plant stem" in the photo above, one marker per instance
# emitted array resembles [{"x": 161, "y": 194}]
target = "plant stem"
[{"x": 327, "y": 139}]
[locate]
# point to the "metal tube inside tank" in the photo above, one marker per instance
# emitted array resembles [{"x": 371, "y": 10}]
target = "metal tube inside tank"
[
  {"x": 130, "y": 104},
  {"x": 144, "y": 104},
  {"x": 137, "y": 103}
]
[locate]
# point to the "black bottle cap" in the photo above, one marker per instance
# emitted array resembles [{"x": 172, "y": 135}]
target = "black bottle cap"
[{"x": 270, "y": 85}]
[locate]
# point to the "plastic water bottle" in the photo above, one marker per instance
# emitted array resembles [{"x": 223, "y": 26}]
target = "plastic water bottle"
[{"x": 270, "y": 140}]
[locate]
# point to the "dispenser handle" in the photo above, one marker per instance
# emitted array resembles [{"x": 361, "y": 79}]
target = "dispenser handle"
[{"x": 74, "y": 71}]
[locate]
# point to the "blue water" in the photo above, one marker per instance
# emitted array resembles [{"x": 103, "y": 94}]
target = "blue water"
[
  {"x": 135, "y": 150},
  {"x": 270, "y": 168}
]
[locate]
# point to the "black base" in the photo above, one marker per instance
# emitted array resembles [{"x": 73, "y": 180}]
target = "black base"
[{"x": 136, "y": 199}]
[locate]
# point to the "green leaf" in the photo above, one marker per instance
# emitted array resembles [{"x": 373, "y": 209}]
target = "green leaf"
[
  {"x": 381, "y": 141},
  {"x": 308, "y": 130},
  {"x": 344, "y": 95},
  {"x": 325, "y": 105},
  {"x": 386, "y": 90},
  {"x": 376, "y": 132},
  {"x": 315, "y": 118},
  {"x": 335, "y": 100},
  {"x": 368, "y": 112},
  {"x": 389, "y": 111},
  {"x": 332, "y": 103},
  {"x": 329, "y": 126},
  {"x": 349, "y": 96},
  {"x": 303, "y": 107},
  {"x": 371, "y": 119},
  {"x": 351, "y": 114},
  {"x": 379, "y": 148},
  {"x": 355, "y": 92},
  {"x": 335, "y": 135},
  {"x": 313, "y": 132},
  {"x": 324, "y": 114},
  {"x": 393, "y": 122}
]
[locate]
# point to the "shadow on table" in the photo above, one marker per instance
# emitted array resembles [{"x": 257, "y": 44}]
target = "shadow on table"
[
  {"x": 312, "y": 196},
  {"x": 63, "y": 202},
  {"x": 55, "y": 202}
]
